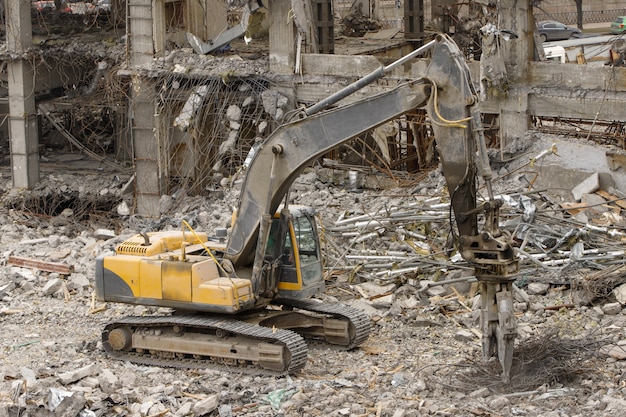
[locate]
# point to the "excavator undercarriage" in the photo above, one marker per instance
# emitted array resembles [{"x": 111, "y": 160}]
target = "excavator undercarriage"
[{"x": 271, "y": 339}]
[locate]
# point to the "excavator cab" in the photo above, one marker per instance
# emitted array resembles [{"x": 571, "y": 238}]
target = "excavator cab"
[{"x": 293, "y": 251}]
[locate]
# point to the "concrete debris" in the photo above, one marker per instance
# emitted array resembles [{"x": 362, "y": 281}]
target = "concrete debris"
[
  {"x": 123, "y": 209},
  {"x": 78, "y": 374},
  {"x": 538, "y": 288},
  {"x": 386, "y": 252},
  {"x": 54, "y": 241},
  {"x": 193, "y": 103},
  {"x": 588, "y": 186},
  {"x": 52, "y": 287},
  {"x": 66, "y": 404},
  {"x": 104, "y": 234},
  {"x": 465, "y": 336},
  {"x": 407, "y": 239},
  {"x": 612, "y": 309},
  {"x": 206, "y": 405},
  {"x": 108, "y": 381},
  {"x": 620, "y": 293},
  {"x": 274, "y": 103},
  {"x": 357, "y": 24},
  {"x": 617, "y": 351},
  {"x": 233, "y": 113}
]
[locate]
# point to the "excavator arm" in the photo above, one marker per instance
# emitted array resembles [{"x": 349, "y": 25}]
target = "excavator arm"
[
  {"x": 452, "y": 105},
  {"x": 456, "y": 122},
  {"x": 295, "y": 146}
]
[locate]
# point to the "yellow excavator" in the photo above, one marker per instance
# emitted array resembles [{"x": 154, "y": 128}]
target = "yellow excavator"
[{"x": 246, "y": 298}]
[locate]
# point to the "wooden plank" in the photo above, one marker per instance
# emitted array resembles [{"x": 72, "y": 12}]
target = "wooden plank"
[
  {"x": 612, "y": 198},
  {"x": 574, "y": 208},
  {"x": 42, "y": 265}
]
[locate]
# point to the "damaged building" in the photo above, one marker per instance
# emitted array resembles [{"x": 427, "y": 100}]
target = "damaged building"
[
  {"x": 415, "y": 255},
  {"x": 179, "y": 93}
]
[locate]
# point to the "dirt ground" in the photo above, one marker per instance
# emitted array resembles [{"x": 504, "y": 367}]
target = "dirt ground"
[{"x": 422, "y": 358}]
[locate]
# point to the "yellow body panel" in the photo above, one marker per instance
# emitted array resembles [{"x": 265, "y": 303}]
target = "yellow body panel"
[
  {"x": 194, "y": 280},
  {"x": 291, "y": 286},
  {"x": 203, "y": 271},
  {"x": 150, "y": 281},
  {"x": 223, "y": 292},
  {"x": 160, "y": 242},
  {"x": 176, "y": 280},
  {"x": 128, "y": 268}
]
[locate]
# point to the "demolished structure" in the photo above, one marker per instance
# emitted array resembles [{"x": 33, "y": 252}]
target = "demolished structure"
[
  {"x": 139, "y": 94},
  {"x": 186, "y": 121}
]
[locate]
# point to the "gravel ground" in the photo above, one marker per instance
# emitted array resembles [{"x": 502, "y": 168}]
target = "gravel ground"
[{"x": 422, "y": 358}]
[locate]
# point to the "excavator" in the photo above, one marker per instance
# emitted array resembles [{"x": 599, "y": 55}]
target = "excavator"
[{"x": 245, "y": 298}]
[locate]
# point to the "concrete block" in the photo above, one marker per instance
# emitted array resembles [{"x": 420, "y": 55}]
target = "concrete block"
[
  {"x": 104, "y": 234},
  {"x": 79, "y": 280},
  {"x": 206, "y": 405},
  {"x": 612, "y": 309},
  {"x": 233, "y": 113},
  {"x": 123, "y": 209},
  {"x": 52, "y": 286},
  {"x": 538, "y": 288},
  {"x": 588, "y": 186},
  {"x": 437, "y": 291},
  {"x": 54, "y": 241},
  {"x": 73, "y": 376},
  {"x": 465, "y": 336},
  {"x": 108, "y": 381},
  {"x": 620, "y": 293}
]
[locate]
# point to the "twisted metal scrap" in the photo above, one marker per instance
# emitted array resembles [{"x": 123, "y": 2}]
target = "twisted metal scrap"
[{"x": 600, "y": 284}]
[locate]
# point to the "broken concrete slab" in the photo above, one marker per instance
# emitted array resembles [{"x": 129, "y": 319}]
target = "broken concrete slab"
[
  {"x": 206, "y": 405},
  {"x": 537, "y": 288},
  {"x": 71, "y": 406},
  {"x": 620, "y": 293},
  {"x": 73, "y": 376},
  {"x": 104, "y": 234},
  {"x": 575, "y": 162},
  {"x": 369, "y": 290},
  {"x": 615, "y": 351},
  {"x": 365, "y": 306},
  {"x": 52, "y": 286},
  {"x": 612, "y": 309},
  {"x": 588, "y": 186}
]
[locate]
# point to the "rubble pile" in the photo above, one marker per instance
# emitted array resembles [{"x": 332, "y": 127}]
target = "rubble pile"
[
  {"x": 387, "y": 252},
  {"x": 357, "y": 23}
]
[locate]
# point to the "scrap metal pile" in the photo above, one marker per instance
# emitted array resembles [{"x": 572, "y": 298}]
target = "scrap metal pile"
[{"x": 408, "y": 239}]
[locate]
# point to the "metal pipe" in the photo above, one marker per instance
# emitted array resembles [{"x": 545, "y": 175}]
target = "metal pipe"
[
  {"x": 362, "y": 82},
  {"x": 381, "y": 257}
]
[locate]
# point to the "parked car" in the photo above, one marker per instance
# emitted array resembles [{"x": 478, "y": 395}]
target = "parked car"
[
  {"x": 550, "y": 30},
  {"x": 97, "y": 5},
  {"x": 103, "y": 5},
  {"x": 618, "y": 26},
  {"x": 49, "y": 5}
]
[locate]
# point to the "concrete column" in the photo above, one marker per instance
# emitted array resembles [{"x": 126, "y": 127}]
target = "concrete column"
[
  {"x": 22, "y": 113},
  {"x": 516, "y": 15},
  {"x": 149, "y": 171},
  {"x": 143, "y": 35},
  {"x": 283, "y": 38},
  {"x": 147, "y": 152}
]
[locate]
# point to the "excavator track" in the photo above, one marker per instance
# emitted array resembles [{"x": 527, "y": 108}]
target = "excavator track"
[
  {"x": 359, "y": 323},
  {"x": 195, "y": 341}
]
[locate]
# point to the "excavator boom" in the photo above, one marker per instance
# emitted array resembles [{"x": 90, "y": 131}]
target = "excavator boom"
[{"x": 294, "y": 146}]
